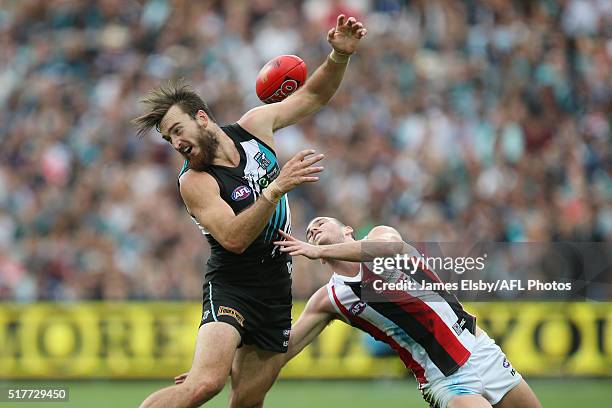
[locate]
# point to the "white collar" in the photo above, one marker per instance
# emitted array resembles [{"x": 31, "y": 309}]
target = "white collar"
[{"x": 356, "y": 278}]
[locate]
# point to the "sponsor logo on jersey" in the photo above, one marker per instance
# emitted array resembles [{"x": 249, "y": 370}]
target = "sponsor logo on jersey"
[
  {"x": 263, "y": 182},
  {"x": 357, "y": 308},
  {"x": 274, "y": 172},
  {"x": 286, "y": 332},
  {"x": 228, "y": 311},
  {"x": 205, "y": 314},
  {"x": 458, "y": 326},
  {"x": 506, "y": 363},
  {"x": 240, "y": 193}
]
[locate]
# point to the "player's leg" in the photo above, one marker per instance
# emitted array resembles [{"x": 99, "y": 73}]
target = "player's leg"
[
  {"x": 215, "y": 350},
  {"x": 468, "y": 401},
  {"x": 253, "y": 372},
  {"x": 520, "y": 396},
  {"x": 257, "y": 364},
  {"x": 503, "y": 386}
]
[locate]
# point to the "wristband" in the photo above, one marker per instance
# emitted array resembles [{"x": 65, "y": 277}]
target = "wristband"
[
  {"x": 272, "y": 190},
  {"x": 339, "y": 58}
]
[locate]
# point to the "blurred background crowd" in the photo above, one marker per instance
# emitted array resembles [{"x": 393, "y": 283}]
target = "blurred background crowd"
[{"x": 475, "y": 120}]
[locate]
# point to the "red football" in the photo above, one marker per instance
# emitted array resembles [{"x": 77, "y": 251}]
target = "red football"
[{"x": 280, "y": 77}]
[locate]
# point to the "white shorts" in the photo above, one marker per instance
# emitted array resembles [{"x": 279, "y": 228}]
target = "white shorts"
[{"x": 487, "y": 372}]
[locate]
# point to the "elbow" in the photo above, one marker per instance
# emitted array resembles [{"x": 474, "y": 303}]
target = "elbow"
[
  {"x": 232, "y": 241},
  {"x": 235, "y": 246}
]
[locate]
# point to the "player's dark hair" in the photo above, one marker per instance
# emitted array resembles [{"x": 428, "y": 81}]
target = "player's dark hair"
[
  {"x": 161, "y": 99},
  {"x": 337, "y": 221}
]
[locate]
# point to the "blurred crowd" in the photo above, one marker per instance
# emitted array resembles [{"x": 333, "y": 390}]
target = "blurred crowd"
[{"x": 463, "y": 121}]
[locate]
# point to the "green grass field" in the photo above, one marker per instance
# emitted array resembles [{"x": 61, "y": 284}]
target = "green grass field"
[{"x": 569, "y": 393}]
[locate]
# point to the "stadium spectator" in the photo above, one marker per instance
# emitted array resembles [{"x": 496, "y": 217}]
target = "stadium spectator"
[{"x": 463, "y": 120}]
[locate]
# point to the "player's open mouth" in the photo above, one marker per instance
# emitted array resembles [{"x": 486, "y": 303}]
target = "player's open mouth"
[{"x": 187, "y": 150}]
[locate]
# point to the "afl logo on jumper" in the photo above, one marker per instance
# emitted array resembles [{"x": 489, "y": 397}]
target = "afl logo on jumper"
[
  {"x": 240, "y": 193},
  {"x": 357, "y": 308}
]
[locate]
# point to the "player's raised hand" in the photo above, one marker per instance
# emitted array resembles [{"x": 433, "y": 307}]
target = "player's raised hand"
[
  {"x": 296, "y": 247},
  {"x": 345, "y": 37},
  {"x": 299, "y": 169}
]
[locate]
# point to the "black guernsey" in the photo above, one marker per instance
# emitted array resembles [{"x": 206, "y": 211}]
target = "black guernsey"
[{"x": 261, "y": 265}]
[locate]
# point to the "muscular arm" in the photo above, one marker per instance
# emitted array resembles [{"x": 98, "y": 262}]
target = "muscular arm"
[
  {"x": 318, "y": 313},
  {"x": 382, "y": 241},
  {"x": 316, "y": 92},
  {"x": 235, "y": 233}
]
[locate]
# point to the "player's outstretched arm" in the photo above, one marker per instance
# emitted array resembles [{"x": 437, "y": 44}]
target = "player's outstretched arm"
[
  {"x": 382, "y": 241},
  {"x": 317, "y": 91},
  {"x": 235, "y": 233},
  {"x": 319, "y": 312}
]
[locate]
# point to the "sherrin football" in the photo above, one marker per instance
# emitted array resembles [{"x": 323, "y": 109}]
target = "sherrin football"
[{"x": 280, "y": 77}]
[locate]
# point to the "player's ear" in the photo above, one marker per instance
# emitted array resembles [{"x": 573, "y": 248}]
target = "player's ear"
[
  {"x": 348, "y": 232},
  {"x": 202, "y": 118}
]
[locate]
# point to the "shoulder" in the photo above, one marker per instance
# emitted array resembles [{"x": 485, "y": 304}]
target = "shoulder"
[
  {"x": 259, "y": 123},
  {"x": 195, "y": 184},
  {"x": 191, "y": 177},
  {"x": 384, "y": 233}
]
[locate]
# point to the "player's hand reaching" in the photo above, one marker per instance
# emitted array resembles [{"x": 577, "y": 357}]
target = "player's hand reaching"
[
  {"x": 296, "y": 247},
  {"x": 345, "y": 37},
  {"x": 299, "y": 169}
]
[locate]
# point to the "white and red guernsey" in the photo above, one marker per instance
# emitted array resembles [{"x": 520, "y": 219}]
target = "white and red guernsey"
[{"x": 430, "y": 331}]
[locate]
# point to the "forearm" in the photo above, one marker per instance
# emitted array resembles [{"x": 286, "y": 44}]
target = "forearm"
[
  {"x": 247, "y": 225},
  {"x": 304, "y": 332},
  {"x": 360, "y": 251},
  {"x": 324, "y": 82},
  {"x": 317, "y": 314}
]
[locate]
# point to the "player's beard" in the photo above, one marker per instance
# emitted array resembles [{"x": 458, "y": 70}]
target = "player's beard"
[{"x": 207, "y": 144}]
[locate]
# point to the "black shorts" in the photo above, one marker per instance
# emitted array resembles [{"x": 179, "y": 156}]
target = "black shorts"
[{"x": 265, "y": 323}]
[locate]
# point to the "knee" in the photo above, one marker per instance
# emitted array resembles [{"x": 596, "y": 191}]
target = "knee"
[{"x": 202, "y": 390}]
